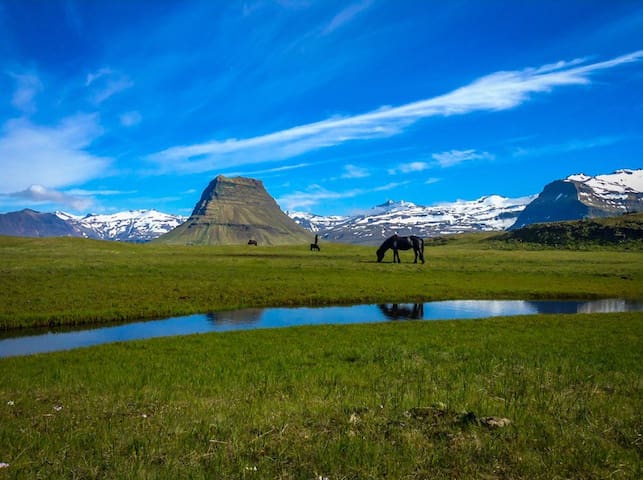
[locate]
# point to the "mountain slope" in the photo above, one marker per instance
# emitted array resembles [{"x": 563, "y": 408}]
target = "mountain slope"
[
  {"x": 581, "y": 196},
  {"x": 624, "y": 229},
  {"x": 233, "y": 211},
  {"x": 29, "y": 223}
]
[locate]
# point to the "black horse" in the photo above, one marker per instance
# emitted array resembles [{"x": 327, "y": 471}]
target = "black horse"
[
  {"x": 315, "y": 246},
  {"x": 402, "y": 243}
]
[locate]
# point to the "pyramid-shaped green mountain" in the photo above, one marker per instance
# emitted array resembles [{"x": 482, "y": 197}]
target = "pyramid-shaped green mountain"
[{"x": 233, "y": 211}]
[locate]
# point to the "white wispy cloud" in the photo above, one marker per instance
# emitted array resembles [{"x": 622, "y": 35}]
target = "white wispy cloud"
[
  {"x": 495, "y": 92},
  {"x": 454, "y": 157},
  {"x": 346, "y": 15},
  {"x": 353, "y": 171},
  {"x": 316, "y": 194},
  {"x": 27, "y": 87},
  {"x": 54, "y": 156},
  {"x": 40, "y": 194},
  {"x": 565, "y": 147},
  {"x": 130, "y": 119},
  {"x": 409, "y": 168},
  {"x": 105, "y": 83}
]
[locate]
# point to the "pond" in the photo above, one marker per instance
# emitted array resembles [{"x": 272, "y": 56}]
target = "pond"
[{"x": 253, "y": 318}]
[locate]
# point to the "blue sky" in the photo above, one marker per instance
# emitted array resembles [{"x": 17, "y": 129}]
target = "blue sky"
[{"x": 336, "y": 106}]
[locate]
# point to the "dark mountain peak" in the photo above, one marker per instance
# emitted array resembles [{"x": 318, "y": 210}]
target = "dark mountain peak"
[
  {"x": 30, "y": 223},
  {"x": 582, "y": 196}
]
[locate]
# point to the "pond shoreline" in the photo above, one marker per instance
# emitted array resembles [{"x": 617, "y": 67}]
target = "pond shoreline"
[{"x": 254, "y": 318}]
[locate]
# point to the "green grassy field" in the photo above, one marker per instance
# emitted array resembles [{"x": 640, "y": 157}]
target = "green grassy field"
[
  {"x": 543, "y": 396},
  {"x": 392, "y": 400},
  {"x": 74, "y": 281}
]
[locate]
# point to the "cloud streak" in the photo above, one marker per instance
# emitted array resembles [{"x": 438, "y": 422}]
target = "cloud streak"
[
  {"x": 570, "y": 146},
  {"x": 28, "y": 86},
  {"x": 454, "y": 157},
  {"x": 498, "y": 91}
]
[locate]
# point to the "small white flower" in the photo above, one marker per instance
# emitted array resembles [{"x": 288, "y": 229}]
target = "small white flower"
[
  {"x": 144, "y": 415},
  {"x": 11, "y": 403},
  {"x": 58, "y": 408},
  {"x": 4, "y": 465}
]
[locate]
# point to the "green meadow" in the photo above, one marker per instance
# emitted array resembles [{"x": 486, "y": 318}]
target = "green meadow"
[
  {"x": 545, "y": 396},
  {"x": 75, "y": 281}
]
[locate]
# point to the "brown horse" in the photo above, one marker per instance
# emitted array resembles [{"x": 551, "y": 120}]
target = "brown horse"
[{"x": 402, "y": 243}]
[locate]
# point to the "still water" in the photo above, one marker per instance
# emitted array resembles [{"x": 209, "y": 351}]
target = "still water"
[{"x": 252, "y": 318}]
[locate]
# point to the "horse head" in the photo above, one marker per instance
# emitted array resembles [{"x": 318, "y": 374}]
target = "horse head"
[{"x": 380, "y": 254}]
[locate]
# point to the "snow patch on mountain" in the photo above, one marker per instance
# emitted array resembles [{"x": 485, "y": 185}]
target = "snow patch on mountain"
[
  {"x": 131, "y": 226},
  {"x": 492, "y": 212},
  {"x": 621, "y": 181}
]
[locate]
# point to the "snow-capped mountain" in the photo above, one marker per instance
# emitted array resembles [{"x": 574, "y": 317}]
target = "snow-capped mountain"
[
  {"x": 129, "y": 226},
  {"x": 316, "y": 223},
  {"x": 582, "y": 196},
  {"x": 491, "y": 212}
]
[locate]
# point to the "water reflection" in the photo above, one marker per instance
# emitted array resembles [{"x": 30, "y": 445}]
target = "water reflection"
[
  {"x": 396, "y": 311},
  {"x": 247, "y": 319}
]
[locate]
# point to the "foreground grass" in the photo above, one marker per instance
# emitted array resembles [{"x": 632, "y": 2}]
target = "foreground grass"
[
  {"x": 393, "y": 400},
  {"x": 58, "y": 281}
]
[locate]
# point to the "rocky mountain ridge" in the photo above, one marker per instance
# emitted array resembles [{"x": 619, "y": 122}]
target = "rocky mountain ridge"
[
  {"x": 236, "y": 211},
  {"x": 582, "y": 196}
]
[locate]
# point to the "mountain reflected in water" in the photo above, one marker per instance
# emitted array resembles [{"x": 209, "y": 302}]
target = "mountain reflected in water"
[{"x": 252, "y": 318}]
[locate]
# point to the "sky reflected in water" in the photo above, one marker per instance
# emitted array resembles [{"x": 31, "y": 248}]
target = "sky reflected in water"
[{"x": 254, "y": 318}]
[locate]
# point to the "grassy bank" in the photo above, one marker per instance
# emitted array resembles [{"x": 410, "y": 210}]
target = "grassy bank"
[
  {"x": 72, "y": 281},
  {"x": 394, "y": 400}
]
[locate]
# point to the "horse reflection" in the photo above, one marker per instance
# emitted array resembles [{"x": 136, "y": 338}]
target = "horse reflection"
[
  {"x": 236, "y": 317},
  {"x": 396, "y": 311}
]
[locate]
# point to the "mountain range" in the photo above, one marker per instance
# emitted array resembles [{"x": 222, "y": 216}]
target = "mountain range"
[
  {"x": 235, "y": 210},
  {"x": 130, "y": 226},
  {"x": 491, "y": 212}
]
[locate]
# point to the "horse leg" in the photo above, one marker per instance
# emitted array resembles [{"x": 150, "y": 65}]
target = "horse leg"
[{"x": 396, "y": 256}]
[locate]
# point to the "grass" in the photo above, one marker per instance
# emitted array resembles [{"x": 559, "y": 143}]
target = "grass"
[
  {"x": 391, "y": 400},
  {"x": 66, "y": 281},
  {"x": 410, "y": 400}
]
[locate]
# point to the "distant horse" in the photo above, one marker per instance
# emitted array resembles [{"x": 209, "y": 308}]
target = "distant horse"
[
  {"x": 315, "y": 246},
  {"x": 402, "y": 243},
  {"x": 252, "y": 242}
]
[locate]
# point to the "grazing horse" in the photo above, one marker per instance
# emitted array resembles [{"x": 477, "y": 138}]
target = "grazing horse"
[
  {"x": 315, "y": 246},
  {"x": 252, "y": 242},
  {"x": 402, "y": 243}
]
